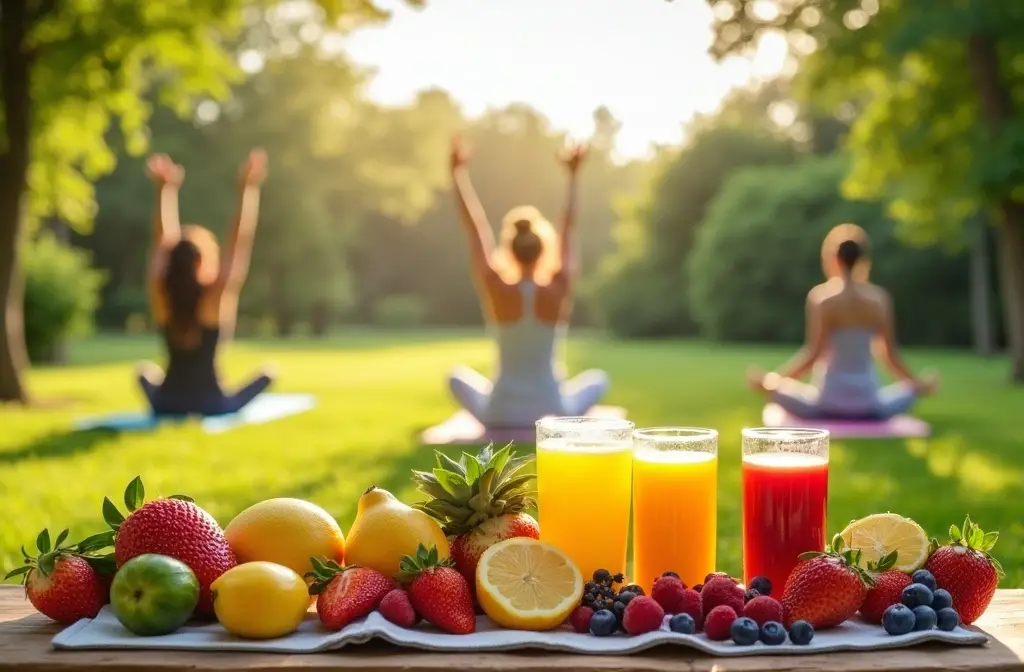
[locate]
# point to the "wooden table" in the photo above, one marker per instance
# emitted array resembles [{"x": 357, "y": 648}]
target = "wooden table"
[{"x": 25, "y": 645}]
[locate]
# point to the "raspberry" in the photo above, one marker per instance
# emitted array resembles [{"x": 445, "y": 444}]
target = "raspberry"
[
  {"x": 718, "y": 623},
  {"x": 642, "y": 615},
  {"x": 690, "y": 603},
  {"x": 580, "y": 619},
  {"x": 397, "y": 608},
  {"x": 722, "y": 591},
  {"x": 763, "y": 609},
  {"x": 668, "y": 592}
]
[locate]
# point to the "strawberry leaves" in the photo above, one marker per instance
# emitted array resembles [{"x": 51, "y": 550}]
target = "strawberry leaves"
[
  {"x": 111, "y": 515},
  {"x": 850, "y": 557},
  {"x": 323, "y": 573},
  {"x": 134, "y": 494},
  {"x": 973, "y": 537},
  {"x": 51, "y": 552}
]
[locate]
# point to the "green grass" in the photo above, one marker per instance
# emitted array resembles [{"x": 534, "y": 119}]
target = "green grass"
[{"x": 377, "y": 391}]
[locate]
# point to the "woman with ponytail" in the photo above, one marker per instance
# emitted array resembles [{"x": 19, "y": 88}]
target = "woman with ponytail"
[
  {"x": 193, "y": 295},
  {"x": 846, "y": 317},
  {"x": 525, "y": 288}
]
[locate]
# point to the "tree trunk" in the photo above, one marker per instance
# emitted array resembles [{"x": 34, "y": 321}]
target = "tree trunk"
[
  {"x": 320, "y": 321},
  {"x": 997, "y": 109},
  {"x": 14, "y": 78},
  {"x": 981, "y": 304}
]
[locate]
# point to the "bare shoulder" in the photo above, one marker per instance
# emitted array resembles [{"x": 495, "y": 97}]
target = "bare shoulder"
[
  {"x": 820, "y": 294},
  {"x": 878, "y": 295}
]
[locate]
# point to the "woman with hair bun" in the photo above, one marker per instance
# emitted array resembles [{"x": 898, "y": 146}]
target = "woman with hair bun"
[
  {"x": 193, "y": 295},
  {"x": 846, "y": 316},
  {"x": 525, "y": 288}
]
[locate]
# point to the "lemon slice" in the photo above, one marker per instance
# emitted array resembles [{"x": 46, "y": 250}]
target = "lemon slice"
[
  {"x": 882, "y": 533},
  {"x": 525, "y": 584}
]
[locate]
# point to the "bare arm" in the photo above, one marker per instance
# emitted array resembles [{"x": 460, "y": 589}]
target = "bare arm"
[
  {"x": 814, "y": 347},
  {"x": 472, "y": 216},
  {"x": 167, "y": 176},
  {"x": 238, "y": 249},
  {"x": 572, "y": 159}
]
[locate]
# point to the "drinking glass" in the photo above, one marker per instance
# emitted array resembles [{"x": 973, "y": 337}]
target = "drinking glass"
[
  {"x": 785, "y": 491},
  {"x": 584, "y": 467},
  {"x": 675, "y": 503}
]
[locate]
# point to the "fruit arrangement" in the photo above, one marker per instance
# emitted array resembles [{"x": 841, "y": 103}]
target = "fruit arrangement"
[{"x": 471, "y": 547}]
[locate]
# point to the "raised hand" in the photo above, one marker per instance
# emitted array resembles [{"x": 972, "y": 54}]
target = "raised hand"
[
  {"x": 163, "y": 171},
  {"x": 573, "y": 156},
  {"x": 459, "y": 154},
  {"x": 929, "y": 383},
  {"x": 254, "y": 170}
]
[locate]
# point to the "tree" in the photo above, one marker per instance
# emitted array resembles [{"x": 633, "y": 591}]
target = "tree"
[
  {"x": 67, "y": 69},
  {"x": 940, "y": 133}
]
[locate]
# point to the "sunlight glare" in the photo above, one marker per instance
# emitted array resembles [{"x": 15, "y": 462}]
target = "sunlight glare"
[
  {"x": 251, "y": 61},
  {"x": 764, "y": 10}
]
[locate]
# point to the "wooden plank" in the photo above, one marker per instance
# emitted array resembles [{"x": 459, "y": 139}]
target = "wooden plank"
[{"x": 25, "y": 645}]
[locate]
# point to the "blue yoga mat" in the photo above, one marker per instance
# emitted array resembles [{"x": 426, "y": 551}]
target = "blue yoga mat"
[{"x": 266, "y": 407}]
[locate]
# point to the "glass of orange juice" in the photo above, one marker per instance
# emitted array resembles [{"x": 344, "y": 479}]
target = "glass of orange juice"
[
  {"x": 675, "y": 503},
  {"x": 584, "y": 469}
]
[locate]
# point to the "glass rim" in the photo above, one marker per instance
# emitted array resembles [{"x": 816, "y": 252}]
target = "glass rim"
[
  {"x": 583, "y": 423},
  {"x": 669, "y": 434},
  {"x": 795, "y": 434}
]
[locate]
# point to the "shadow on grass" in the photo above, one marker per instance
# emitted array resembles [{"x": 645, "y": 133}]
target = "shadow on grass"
[{"x": 57, "y": 445}]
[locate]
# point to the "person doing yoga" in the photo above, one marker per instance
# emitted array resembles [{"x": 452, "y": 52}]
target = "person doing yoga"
[
  {"x": 846, "y": 316},
  {"x": 193, "y": 294},
  {"x": 525, "y": 289}
]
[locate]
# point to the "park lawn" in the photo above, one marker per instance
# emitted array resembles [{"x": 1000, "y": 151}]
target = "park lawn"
[{"x": 376, "y": 391}]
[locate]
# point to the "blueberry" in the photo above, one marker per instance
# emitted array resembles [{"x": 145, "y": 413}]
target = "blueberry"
[
  {"x": 924, "y": 618},
  {"x": 941, "y": 599},
  {"x": 917, "y": 595},
  {"x": 632, "y": 588},
  {"x": 603, "y": 623},
  {"x": 897, "y": 620},
  {"x": 749, "y": 595},
  {"x": 602, "y": 576},
  {"x": 698, "y": 587},
  {"x": 801, "y": 633},
  {"x": 924, "y": 577},
  {"x": 761, "y": 584},
  {"x": 744, "y": 631},
  {"x": 619, "y": 609},
  {"x": 669, "y": 574},
  {"x": 625, "y": 597},
  {"x": 947, "y": 619},
  {"x": 772, "y": 633},
  {"x": 683, "y": 624}
]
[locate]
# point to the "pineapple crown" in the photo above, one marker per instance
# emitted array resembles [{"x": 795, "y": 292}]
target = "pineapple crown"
[
  {"x": 850, "y": 557},
  {"x": 424, "y": 560},
  {"x": 50, "y": 553},
  {"x": 972, "y": 537},
  {"x": 462, "y": 495},
  {"x": 134, "y": 498}
]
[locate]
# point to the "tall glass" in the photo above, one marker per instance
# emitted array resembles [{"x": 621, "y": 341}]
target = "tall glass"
[
  {"x": 584, "y": 468},
  {"x": 785, "y": 491},
  {"x": 675, "y": 503}
]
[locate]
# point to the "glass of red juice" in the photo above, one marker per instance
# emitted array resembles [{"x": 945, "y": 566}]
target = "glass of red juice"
[{"x": 785, "y": 491}]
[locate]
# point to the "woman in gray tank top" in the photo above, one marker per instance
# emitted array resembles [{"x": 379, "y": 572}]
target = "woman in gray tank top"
[
  {"x": 846, "y": 317},
  {"x": 525, "y": 288}
]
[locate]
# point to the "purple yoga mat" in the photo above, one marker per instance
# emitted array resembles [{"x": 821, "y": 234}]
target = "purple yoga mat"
[
  {"x": 463, "y": 429},
  {"x": 900, "y": 427}
]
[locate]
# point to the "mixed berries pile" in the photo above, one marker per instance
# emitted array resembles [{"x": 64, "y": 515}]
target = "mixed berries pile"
[
  {"x": 720, "y": 608},
  {"x": 922, "y": 606}
]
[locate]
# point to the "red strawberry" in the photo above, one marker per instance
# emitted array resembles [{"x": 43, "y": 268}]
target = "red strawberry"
[
  {"x": 718, "y": 623},
  {"x": 175, "y": 527},
  {"x": 60, "y": 582},
  {"x": 344, "y": 594},
  {"x": 439, "y": 592},
  {"x": 966, "y": 569},
  {"x": 479, "y": 501},
  {"x": 825, "y": 588},
  {"x": 763, "y": 609},
  {"x": 643, "y": 614},
  {"x": 722, "y": 590},
  {"x": 397, "y": 608},
  {"x": 668, "y": 592},
  {"x": 887, "y": 591}
]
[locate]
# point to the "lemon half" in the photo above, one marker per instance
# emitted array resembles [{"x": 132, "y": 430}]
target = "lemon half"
[
  {"x": 879, "y": 534},
  {"x": 525, "y": 584}
]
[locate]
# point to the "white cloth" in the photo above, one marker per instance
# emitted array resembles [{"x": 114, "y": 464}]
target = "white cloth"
[{"x": 105, "y": 632}]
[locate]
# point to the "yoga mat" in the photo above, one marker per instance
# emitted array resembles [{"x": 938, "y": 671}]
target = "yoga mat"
[
  {"x": 899, "y": 427},
  {"x": 265, "y": 408},
  {"x": 105, "y": 633},
  {"x": 463, "y": 429}
]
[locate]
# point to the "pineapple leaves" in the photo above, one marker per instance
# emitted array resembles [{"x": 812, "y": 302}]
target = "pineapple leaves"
[
  {"x": 43, "y": 541},
  {"x": 453, "y": 483},
  {"x": 448, "y": 464},
  {"x": 134, "y": 494},
  {"x": 111, "y": 515}
]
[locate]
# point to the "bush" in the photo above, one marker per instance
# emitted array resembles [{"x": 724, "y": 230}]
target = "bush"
[
  {"x": 61, "y": 295},
  {"x": 759, "y": 252},
  {"x": 400, "y": 310}
]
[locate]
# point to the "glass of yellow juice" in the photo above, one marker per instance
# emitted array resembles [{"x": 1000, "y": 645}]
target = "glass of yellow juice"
[
  {"x": 675, "y": 503},
  {"x": 584, "y": 467}
]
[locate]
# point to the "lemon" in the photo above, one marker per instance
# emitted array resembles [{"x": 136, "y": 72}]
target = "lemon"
[
  {"x": 882, "y": 533},
  {"x": 385, "y": 530},
  {"x": 287, "y": 532},
  {"x": 260, "y": 600},
  {"x": 525, "y": 584}
]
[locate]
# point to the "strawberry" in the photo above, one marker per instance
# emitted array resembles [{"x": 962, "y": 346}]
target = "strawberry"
[
  {"x": 886, "y": 591},
  {"x": 175, "y": 527},
  {"x": 480, "y": 500},
  {"x": 397, "y": 608},
  {"x": 965, "y": 568},
  {"x": 825, "y": 588},
  {"x": 439, "y": 592},
  {"x": 61, "y": 581},
  {"x": 344, "y": 594}
]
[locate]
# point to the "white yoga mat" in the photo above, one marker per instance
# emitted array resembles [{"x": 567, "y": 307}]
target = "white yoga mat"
[{"x": 104, "y": 632}]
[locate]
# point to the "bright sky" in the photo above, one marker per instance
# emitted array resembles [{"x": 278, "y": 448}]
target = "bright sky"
[{"x": 645, "y": 59}]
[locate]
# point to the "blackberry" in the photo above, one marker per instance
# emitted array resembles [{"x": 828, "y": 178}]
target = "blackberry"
[
  {"x": 750, "y": 594},
  {"x": 618, "y": 578},
  {"x": 632, "y": 588},
  {"x": 761, "y": 584},
  {"x": 671, "y": 574},
  {"x": 602, "y": 575},
  {"x": 698, "y": 587},
  {"x": 589, "y": 586}
]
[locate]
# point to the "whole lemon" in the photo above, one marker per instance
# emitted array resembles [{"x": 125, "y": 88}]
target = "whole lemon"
[
  {"x": 385, "y": 529},
  {"x": 260, "y": 600},
  {"x": 285, "y": 531}
]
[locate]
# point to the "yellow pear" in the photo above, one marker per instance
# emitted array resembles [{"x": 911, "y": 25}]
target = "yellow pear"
[{"x": 385, "y": 529}]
